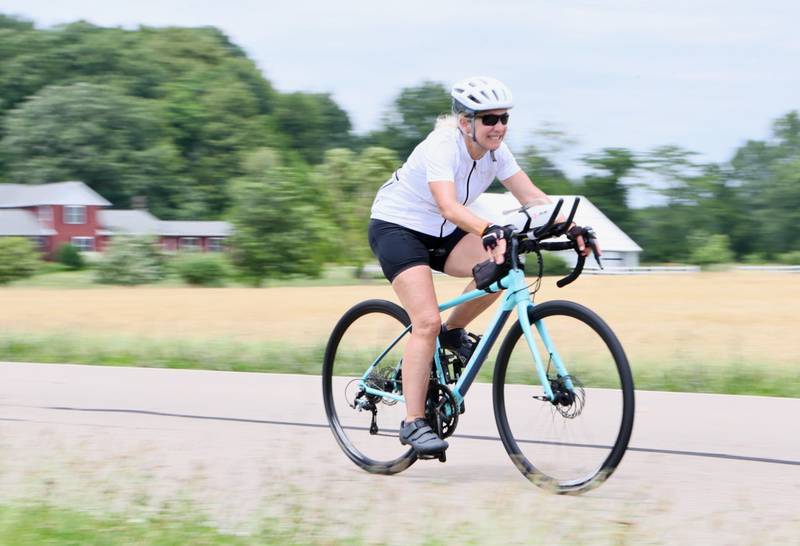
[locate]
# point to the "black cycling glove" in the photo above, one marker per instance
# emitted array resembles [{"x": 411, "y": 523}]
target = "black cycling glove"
[
  {"x": 587, "y": 233},
  {"x": 493, "y": 233}
]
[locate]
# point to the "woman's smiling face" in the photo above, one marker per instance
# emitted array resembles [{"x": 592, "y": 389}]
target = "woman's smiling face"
[{"x": 488, "y": 136}]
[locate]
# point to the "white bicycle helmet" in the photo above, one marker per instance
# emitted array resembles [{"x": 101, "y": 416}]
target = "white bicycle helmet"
[{"x": 480, "y": 93}]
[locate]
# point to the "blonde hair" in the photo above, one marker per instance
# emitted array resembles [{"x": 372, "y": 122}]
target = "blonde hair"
[{"x": 449, "y": 120}]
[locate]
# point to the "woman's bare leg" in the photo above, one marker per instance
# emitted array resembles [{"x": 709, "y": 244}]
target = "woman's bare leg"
[
  {"x": 468, "y": 252},
  {"x": 414, "y": 287}
]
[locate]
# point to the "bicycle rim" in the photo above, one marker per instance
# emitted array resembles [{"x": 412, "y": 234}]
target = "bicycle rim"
[
  {"x": 573, "y": 446},
  {"x": 361, "y": 335}
]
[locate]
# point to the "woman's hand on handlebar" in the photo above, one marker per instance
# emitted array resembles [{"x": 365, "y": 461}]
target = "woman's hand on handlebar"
[
  {"x": 580, "y": 236},
  {"x": 495, "y": 241}
]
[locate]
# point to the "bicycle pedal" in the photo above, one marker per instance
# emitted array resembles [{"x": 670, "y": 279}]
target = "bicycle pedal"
[{"x": 441, "y": 456}]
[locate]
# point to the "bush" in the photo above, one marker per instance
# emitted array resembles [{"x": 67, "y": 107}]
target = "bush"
[
  {"x": 69, "y": 256},
  {"x": 202, "y": 269},
  {"x": 553, "y": 264},
  {"x": 131, "y": 260},
  {"x": 710, "y": 249},
  {"x": 756, "y": 258},
  {"x": 790, "y": 258},
  {"x": 19, "y": 258}
]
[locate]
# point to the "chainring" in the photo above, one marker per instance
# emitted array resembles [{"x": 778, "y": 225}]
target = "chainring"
[{"x": 441, "y": 409}]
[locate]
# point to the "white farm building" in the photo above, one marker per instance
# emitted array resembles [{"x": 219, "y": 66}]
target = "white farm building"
[{"x": 619, "y": 250}]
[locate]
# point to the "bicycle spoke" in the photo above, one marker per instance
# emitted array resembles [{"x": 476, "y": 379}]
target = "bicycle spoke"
[
  {"x": 575, "y": 443},
  {"x": 362, "y": 335}
]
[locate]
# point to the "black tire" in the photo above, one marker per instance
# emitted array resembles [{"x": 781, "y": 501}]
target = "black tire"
[
  {"x": 356, "y": 341},
  {"x": 574, "y": 447}
]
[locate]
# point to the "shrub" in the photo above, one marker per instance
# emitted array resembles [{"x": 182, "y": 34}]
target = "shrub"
[
  {"x": 756, "y": 258},
  {"x": 553, "y": 264},
  {"x": 202, "y": 269},
  {"x": 69, "y": 256},
  {"x": 790, "y": 258},
  {"x": 710, "y": 249},
  {"x": 131, "y": 260},
  {"x": 19, "y": 258}
]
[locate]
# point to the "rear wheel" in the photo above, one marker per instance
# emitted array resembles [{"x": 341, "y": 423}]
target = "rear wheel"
[
  {"x": 367, "y": 426},
  {"x": 575, "y": 444}
]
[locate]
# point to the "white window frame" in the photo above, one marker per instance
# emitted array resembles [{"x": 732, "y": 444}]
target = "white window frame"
[
  {"x": 78, "y": 243},
  {"x": 70, "y": 212},
  {"x": 216, "y": 244},
  {"x": 192, "y": 247},
  {"x": 45, "y": 213}
]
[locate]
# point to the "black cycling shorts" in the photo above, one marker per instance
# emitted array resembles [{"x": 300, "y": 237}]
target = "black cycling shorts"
[{"x": 398, "y": 248}]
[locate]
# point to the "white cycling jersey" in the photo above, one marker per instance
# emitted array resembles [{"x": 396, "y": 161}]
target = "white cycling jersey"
[{"x": 406, "y": 198}]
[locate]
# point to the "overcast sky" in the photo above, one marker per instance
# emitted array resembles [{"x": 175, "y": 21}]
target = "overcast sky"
[{"x": 706, "y": 74}]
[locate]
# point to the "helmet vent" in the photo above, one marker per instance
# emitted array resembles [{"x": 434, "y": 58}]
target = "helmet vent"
[{"x": 479, "y": 93}]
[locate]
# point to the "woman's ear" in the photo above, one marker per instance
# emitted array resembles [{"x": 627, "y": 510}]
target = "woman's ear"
[{"x": 464, "y": 125}]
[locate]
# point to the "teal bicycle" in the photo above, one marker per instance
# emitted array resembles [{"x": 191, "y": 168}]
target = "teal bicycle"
[{"x": 562, "y": 388}]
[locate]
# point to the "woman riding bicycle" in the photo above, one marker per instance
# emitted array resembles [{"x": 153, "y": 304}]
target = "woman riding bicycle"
[{"x": 420, "y": 221}]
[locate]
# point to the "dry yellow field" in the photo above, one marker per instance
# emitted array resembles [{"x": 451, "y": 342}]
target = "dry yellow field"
[{"x": 680, "y": 319}]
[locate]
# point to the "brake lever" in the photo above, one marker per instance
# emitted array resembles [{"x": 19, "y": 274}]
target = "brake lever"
[
  {"x": 593, "y": 244},
  {"x": 590, "y": 239}
]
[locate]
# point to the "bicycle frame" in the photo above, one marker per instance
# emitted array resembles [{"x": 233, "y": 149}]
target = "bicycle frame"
[{"x": 517, "y": 297}]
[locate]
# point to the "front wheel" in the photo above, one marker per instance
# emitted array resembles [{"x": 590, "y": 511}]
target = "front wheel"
[
  {"x": 366, "y": 426},
  {"x": 574, "y": 444}
]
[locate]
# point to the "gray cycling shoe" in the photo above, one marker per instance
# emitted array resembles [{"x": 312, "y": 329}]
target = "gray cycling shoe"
[
  {"x": 459, "y": 341},
  {"x": 421, "y": 437}
]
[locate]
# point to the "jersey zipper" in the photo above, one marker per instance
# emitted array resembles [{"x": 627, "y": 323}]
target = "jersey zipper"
[
  {"x": 390, "y": 182},
  {"x": 474, "y": 164}
]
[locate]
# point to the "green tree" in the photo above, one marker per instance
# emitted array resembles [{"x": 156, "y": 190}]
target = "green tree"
[
  {"x": 279, "y": 229},
  {"x": 670, "y": 171},
  {"x": 19, "y": 258},
  {"x": 346, "y": 183},
  {"x": 212, "y": 101},
  {"x": 116, "y": 144},
  {"x": 607, "y": 189},
  {"x": 312, "y": 124},
  {"x": 699, "y": 196},
  {"x": 766, "y": 176},
  {"x": 411, "y": 117},
  {"x": 662, "y": 232},
  {"x": 544, "y": 173}
]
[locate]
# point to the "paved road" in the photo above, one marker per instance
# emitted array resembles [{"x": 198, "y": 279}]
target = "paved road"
[{"x": 719, "y": 469}]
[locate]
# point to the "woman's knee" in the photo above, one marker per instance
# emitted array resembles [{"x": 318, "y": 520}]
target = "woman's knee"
[{"x": 426, "y": 325}]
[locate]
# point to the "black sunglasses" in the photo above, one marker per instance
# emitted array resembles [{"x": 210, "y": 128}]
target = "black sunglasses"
[{"x": 490, "y": 120}]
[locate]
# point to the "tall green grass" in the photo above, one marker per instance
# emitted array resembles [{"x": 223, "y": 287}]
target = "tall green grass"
[
  {"x": 758, "y": 378},
  {"x": 39, "y": 523}
]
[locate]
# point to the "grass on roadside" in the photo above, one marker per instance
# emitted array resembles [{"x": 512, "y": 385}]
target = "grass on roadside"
[
  {"x": 229, "y": 355},
  {"x": 54, "y": 275},
  {"x": 225, "y": 355},
  {"x": 45, "y": 524}
]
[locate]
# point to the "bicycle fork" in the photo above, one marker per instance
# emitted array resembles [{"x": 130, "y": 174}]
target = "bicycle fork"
[{"x": 549, "y": 346}]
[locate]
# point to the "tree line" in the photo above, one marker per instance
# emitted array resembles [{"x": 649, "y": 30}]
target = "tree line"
[{"x": 184, "y": 118}]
